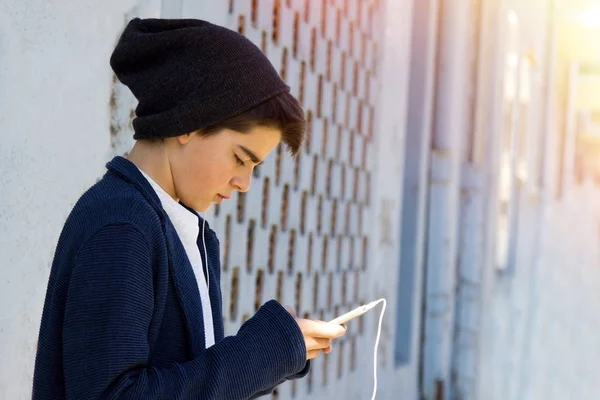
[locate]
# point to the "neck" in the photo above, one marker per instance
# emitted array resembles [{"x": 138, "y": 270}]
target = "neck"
[{"x": 151, "y": 157}]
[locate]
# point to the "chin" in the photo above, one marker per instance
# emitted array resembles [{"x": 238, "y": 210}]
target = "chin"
[
  {"x": 203, "y": 206},
  {"x": 198, "y": 206}
]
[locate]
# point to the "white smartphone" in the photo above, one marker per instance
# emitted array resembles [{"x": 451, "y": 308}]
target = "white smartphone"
[{"x": 350, "y": 315}]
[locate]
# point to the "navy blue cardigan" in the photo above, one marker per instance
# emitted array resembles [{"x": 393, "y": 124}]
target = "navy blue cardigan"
[{"x": 122, "y": 317}]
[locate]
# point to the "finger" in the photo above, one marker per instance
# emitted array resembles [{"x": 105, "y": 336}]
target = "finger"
[
  {"x": 313, "y": 343},
  {"x": 342, "y": 325},
  {"x": 312, "y": 354},
  {"x": 320, "y": 329},
  {"x": 324, "y": 322},
  {"x": 291, "y": 311},
  {"x": 327, "y": 350}
]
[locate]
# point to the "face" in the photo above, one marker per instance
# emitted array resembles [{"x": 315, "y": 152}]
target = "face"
[{"x": 209, "y": 169}]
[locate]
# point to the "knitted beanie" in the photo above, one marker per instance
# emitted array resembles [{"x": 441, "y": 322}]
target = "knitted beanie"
[{"x": 188, "y": 74}]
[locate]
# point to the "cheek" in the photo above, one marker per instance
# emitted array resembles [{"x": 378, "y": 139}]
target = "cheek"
[
  {"x": 214, "y": 176},
  {"x": 203, "y": 172}
]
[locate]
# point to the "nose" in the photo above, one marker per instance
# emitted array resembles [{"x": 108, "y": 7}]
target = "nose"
[{"x": 242, "y": 182}]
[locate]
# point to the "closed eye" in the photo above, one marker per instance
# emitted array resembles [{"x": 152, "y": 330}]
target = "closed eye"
[{"x": 238, "y": 160}]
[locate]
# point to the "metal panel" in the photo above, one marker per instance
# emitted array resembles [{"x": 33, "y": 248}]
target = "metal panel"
[
  {"x": 450, "y": 125},
  {"x": 417, "y": 151}
]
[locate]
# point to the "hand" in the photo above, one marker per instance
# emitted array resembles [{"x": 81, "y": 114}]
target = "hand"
[{"x": 317, "y": 334}]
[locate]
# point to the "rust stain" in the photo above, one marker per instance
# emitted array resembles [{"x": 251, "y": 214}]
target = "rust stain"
[
  {"x": 113, "y": 94},
  {"x": 113, "y": 130},
  {"x": 439, "y": 389},
  {"x": 112, "y": 103}
]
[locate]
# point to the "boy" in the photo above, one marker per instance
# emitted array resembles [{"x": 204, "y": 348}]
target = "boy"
[{"x": 133, "y": 308}]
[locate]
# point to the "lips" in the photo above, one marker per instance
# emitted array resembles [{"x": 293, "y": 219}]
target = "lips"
[{"x": 220, "y": 198}]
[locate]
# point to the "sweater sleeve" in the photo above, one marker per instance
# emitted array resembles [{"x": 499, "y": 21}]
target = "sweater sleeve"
[
  {"x": 299, "y": 375},
  {"x": 107, "y": 316}
]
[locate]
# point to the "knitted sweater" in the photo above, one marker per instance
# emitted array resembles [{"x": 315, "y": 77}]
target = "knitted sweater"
[{"x": 122, "y": 317}]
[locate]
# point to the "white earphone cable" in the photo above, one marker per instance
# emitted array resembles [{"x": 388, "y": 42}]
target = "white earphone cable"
[
  {"x": 205, "y": 255},
  {"x": 376, "y": 345}
]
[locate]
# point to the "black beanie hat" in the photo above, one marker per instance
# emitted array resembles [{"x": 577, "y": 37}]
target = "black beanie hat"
[{"x": 188, "y": 74}]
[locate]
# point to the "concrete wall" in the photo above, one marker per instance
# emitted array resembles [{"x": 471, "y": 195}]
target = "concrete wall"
[
  {"x": 63, "y": 116},
  {"x": 54, "y": 124}
]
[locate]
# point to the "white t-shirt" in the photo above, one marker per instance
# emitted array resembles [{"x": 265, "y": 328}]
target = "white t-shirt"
[{"x": 187, "y": 226}]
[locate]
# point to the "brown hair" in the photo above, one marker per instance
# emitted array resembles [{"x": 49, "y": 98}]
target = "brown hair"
[{"x": 282, "y": 112}]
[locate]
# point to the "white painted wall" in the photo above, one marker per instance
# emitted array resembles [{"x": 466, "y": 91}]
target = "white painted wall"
[{"x": 54, "y": 141}]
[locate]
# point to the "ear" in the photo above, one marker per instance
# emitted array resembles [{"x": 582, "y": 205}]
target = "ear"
[{"x": 184, "y": 139}]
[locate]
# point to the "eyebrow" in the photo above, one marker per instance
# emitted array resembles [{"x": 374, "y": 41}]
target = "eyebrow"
[{"x": 250, "y": 154}]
